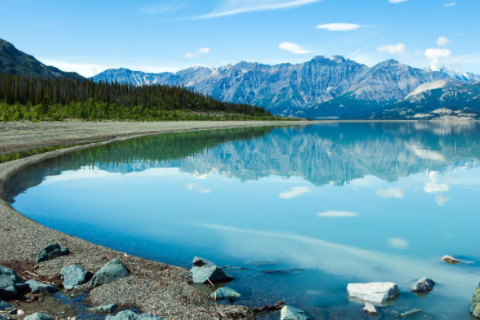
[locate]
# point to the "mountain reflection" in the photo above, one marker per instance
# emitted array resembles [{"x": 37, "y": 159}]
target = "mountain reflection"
[{"x": 333, "y": 153}]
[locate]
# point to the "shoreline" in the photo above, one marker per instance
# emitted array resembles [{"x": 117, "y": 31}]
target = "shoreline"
[{"x": 153, "y": 287}]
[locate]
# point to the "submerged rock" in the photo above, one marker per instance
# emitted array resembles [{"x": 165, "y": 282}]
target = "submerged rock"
[
  {"x": 108, "y": 308},
  {"x": 40, "y": 287},
  {"x": 11, "y": 285},
  {"x": 74, "y": 275},
  {"x": 8, "y": 307},
  {"x": 226, "y": 293},
  {"x": 112, "y": 271},
  {"x": 3, "y": 318},
  {"x": 130, "y": 315},
  {"x": 451, "y": 260},
  {"x": 51, "y": 252},
  {"x": 424, "y": 284},
  {"x": 408, "y": 313},
  {"x": 39, "y": 316},
  {"x": 375, "y": 292},
  {"x": 204, "y": 270},
  {"x": 475, "y": 307},
  {"x": 370, "y": 308},
  {"x": 291, "y": 313}
]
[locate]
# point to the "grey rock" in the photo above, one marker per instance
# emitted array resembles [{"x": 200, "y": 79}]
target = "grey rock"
[
  {"x": 51, "y": 252},
  {"x": 291, "y": 313},
  {"x": 424, "y": 284},
  {"x": 11, "y": 285},
  {"x": 75, "y": 275},
  {"x": 112, "y": 271},
  {"x": 40, "y": 287},
  {"x": 39, "y": 316},
  {"x": 130, "y": 315},
  {"x": 408, "y": 313},
  {"x": 5, "y": 306},
  {"x": 451, "y": 260},
  {"x": 226, "y": 293},
  {"x": 204, "y": 270},
  {"x": 108, "y": 308}
]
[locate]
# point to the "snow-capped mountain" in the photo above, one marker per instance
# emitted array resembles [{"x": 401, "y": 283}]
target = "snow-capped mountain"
[{"x": 321, "y": 87}]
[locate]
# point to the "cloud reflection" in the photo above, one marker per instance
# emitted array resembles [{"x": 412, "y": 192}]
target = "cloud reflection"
[
  {"x": 337, "y": 214},
  {"x": 294, "y": 192},
  {"x": 390, "y": 193}
]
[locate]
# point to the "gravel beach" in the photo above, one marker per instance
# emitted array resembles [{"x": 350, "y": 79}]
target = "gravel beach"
[{"x": 153, "y": 287}]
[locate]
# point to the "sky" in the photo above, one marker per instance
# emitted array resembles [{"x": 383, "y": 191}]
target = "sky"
[{"x": 170, "y": 35}]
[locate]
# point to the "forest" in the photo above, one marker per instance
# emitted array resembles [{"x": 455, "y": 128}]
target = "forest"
[{"x": 41, "y": 99}]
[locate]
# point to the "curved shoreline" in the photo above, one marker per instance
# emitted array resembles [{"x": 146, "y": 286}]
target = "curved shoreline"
[{"x": 154, "y": 287}]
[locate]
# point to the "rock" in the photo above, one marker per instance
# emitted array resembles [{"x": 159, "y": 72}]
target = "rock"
[
  {"x": 475, "y": 307},
  {"x": 5, "y": 306},
  {"x": 20, "y": 313},
  {"x": 424, "y": 284},
  {"x": 3, "y": 318},
  {"x": 408, "y": 313},
  {"x": 11, "y": 285},
  {"x": 204, "y": 270},
  {"x": 226, "y": 293},
  {"x": 130, "y": 315},
  {"x": 112, "y": 271},
  {"x": 38, "y": 316},
  {"x": 74, "y": 275},
  {"x": 451, "y": 260},
  {"x": 370, "y": 308},
  {"x": 40, "y": 287},
  {"x": 375, "y": 292},
  {"x": 51, "y": 252},
  {"x": 291, "y": 313},
  {"x": 109, "y": 308}
]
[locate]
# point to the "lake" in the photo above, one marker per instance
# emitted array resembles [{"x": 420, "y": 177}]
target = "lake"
[{"x": 338, "y": 202}]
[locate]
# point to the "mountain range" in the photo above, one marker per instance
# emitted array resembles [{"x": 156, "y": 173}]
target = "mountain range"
[{"x": 325, "y": 87}]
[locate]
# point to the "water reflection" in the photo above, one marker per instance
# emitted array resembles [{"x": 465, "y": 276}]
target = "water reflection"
[{"x": 345, "y": 202}]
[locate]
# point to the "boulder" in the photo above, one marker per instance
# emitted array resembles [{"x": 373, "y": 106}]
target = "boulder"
[
  {"x": 424, "y": 284},
  {"x": 204, "y": 270},
  {"x": 112, "y": 271},
  {"x": 38, "y": 316},
  {"x": 8, "y": 307},
  {"x": 370, "y": 308},
  {"x": 51, "y": 252},
  {"x": 130, "y": 315},
  {"x": 74, "y": 275},
  {"x": 226, "y": 293},
  {"x": 375, "y": 292},
  {"x": 40, "y": 287},
  {"x": 11, "y": 285},
  {"x": 108, "y": 308},
  {"x": 451, "y": 260},
  {"x": 291, "y": 313},
  {"x": 475, "y": 307}
]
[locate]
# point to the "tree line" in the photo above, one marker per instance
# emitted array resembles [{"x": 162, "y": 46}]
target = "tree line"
[{"x": 35, "y": 98}]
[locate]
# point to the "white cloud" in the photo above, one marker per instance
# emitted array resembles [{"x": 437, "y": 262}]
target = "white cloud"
[
  {"x": 162, "y": 8},
  {"x": 339, "y": 26},
  {"x": 436, "y": 56},
  {"x": 441, "y": 199},
  {"x": 398, "y": 48},
  {"x": 451, "y": 4},
  {"x": 293, "y": 48},
  {"x": 337, "y": 214},
  {"x": 396, "y": 1},
  {"x": 390, "y": 193},
  {"x": 196, "y": 187},
  {"x": 442, "y": 42},
  {"x": 231, "y": 7},
  {"x": 294, "y": 192},
  {"x": 198, "y": 53},
  {"x": 398, "y": 243}
]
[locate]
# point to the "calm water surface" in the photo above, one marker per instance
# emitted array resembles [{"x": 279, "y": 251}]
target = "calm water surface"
[{"x": 348, "y": 202}]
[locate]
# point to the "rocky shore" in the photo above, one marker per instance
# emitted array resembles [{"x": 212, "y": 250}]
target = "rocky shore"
[{"x": 152, "y": 287}]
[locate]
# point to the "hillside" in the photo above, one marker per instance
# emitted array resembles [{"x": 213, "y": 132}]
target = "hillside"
[{"x": 14, "y": 61}]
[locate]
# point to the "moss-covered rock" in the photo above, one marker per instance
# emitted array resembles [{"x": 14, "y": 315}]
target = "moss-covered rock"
[{"x": 475, "y": 307}]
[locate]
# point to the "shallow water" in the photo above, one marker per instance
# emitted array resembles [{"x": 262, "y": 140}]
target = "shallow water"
[{"x": 347, "y": 202}]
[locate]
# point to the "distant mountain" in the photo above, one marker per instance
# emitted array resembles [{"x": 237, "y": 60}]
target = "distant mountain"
[
  {"x": 320, "y": 88},
  {"x": 14, "y": 61}
]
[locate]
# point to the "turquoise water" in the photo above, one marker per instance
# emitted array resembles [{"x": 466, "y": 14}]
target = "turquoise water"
[{"x": 346, "y": 202}]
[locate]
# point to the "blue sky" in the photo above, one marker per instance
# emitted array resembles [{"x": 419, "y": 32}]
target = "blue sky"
[{"x": 170, "y": 35}]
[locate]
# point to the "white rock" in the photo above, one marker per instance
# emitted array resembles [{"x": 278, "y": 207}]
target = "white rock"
[
  {"x": 370, "y": 308},
  {"x": 291, "y": 313},
  {"x": 375, "y": 292},
  {"x": 20, "y": 313}
]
